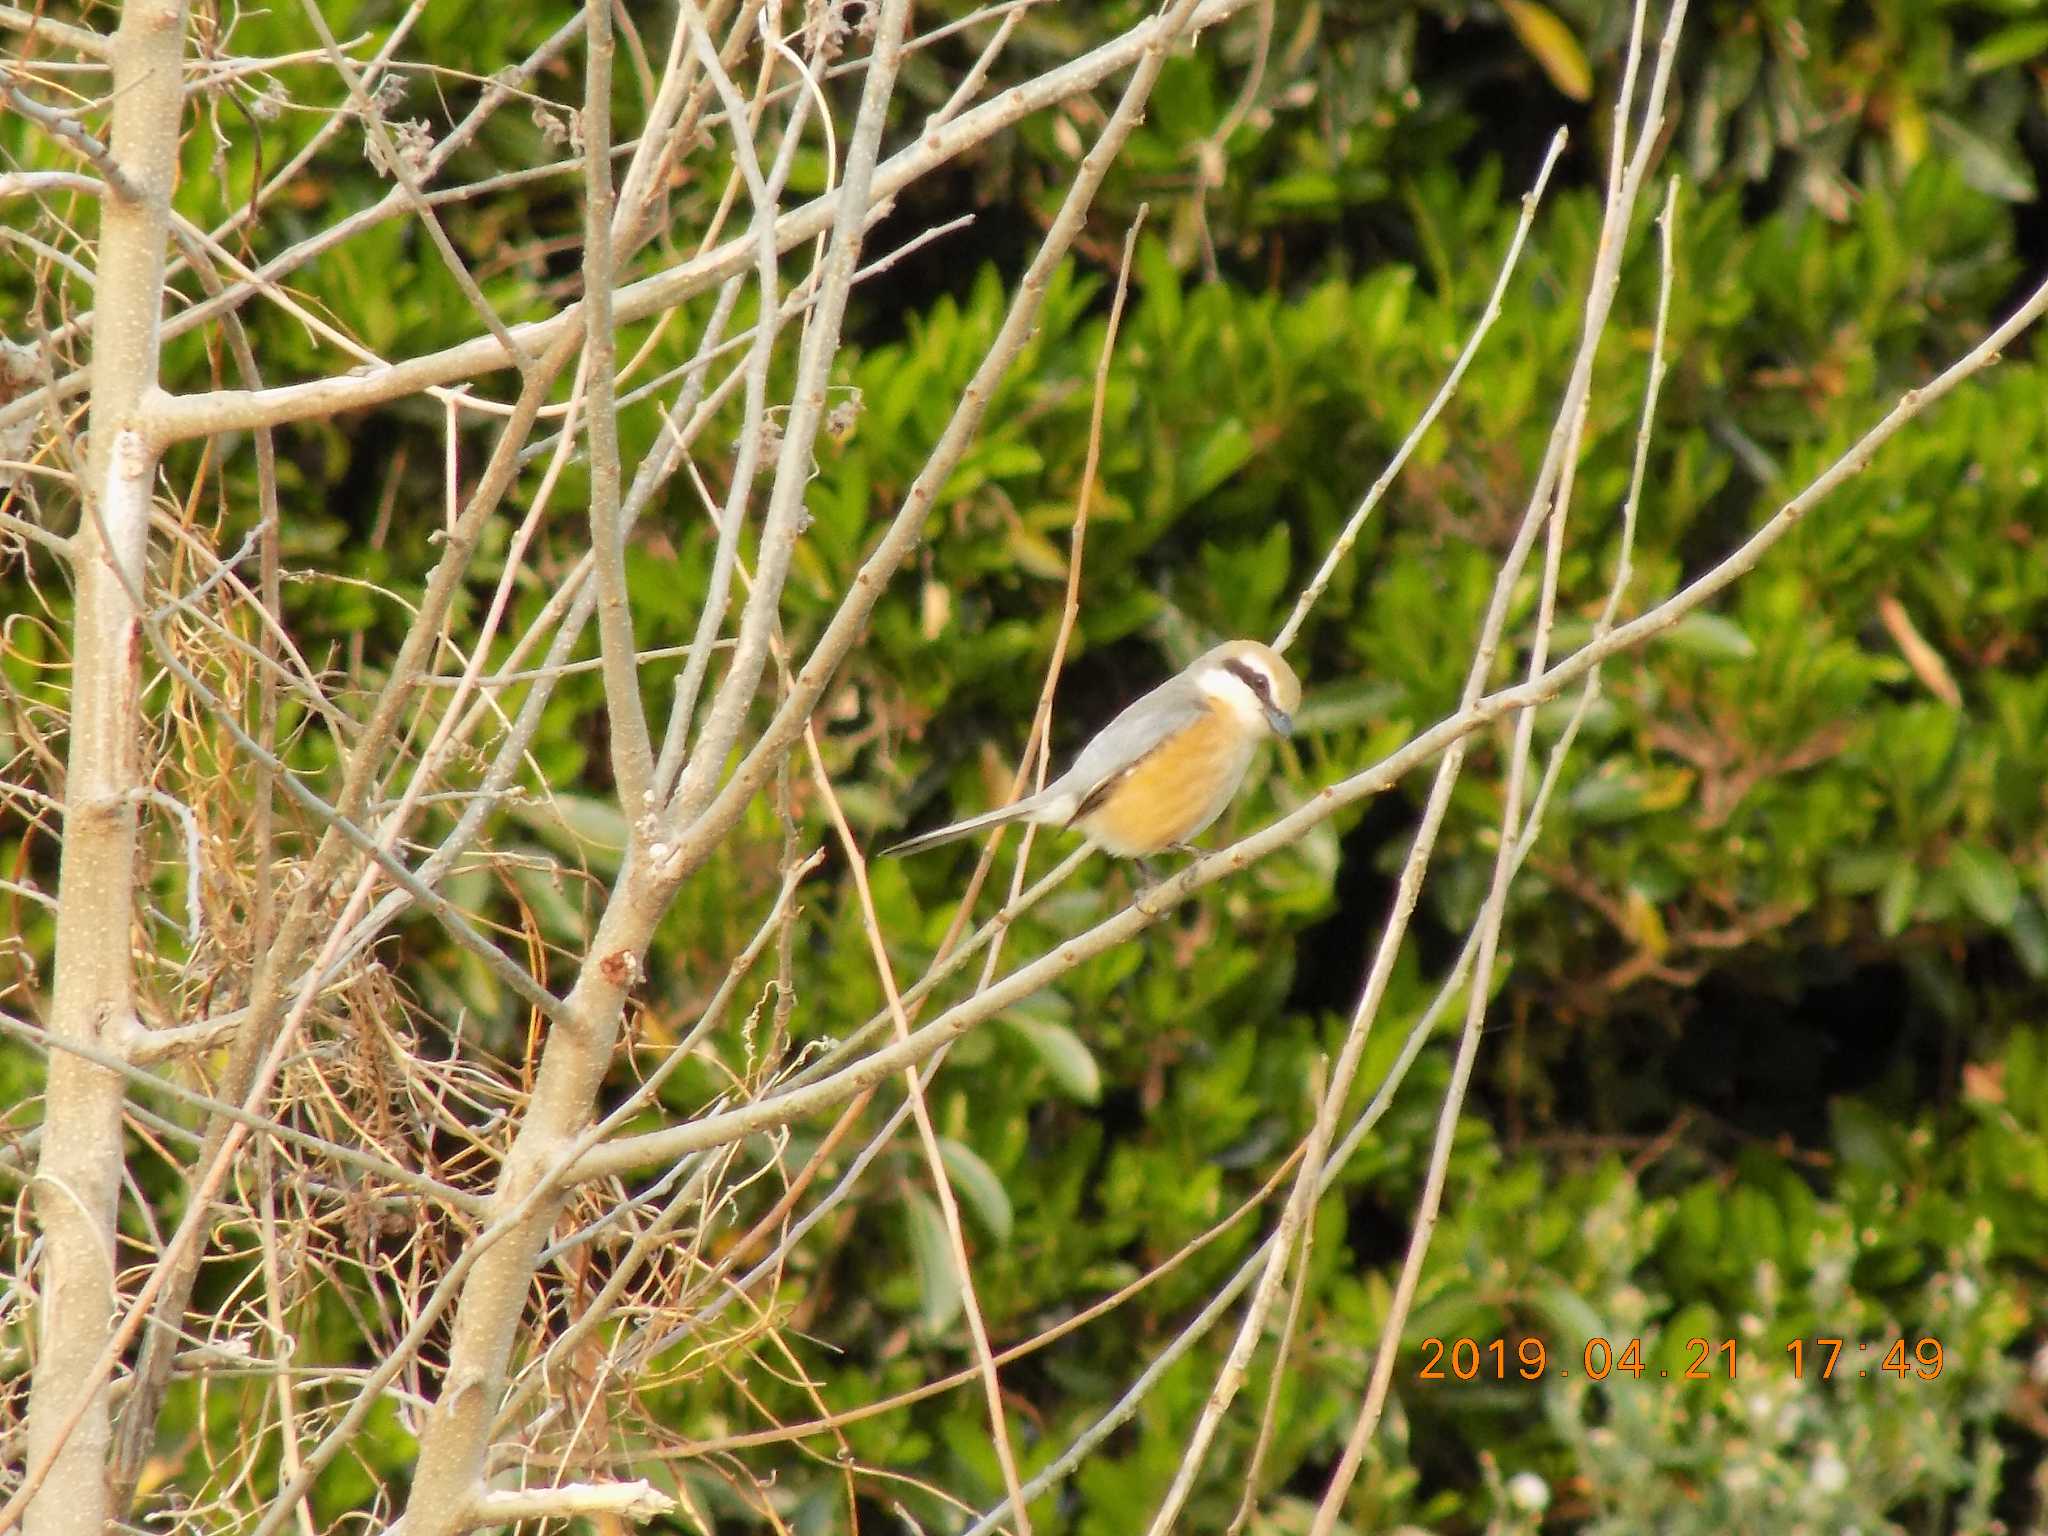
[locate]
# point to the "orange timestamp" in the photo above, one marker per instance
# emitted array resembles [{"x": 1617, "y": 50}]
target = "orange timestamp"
[
  {"x": 1530, "y": 1359},
  {"x": 1533, "y": 1360},
  {"x": 1824, "y": 1360}
]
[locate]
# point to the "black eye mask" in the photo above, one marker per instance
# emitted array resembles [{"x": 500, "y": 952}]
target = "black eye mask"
[{"x": 1262, "y": 690}]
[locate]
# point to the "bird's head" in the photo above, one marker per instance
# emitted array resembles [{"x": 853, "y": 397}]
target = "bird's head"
[{"x": 1254, "y": 681}]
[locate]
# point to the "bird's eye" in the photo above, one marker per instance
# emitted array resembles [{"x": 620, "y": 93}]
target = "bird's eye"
[{"x": 1253, "y": 679}]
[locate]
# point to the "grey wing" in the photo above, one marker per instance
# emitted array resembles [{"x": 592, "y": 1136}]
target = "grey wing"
[{"x": 1171, "y": 707}]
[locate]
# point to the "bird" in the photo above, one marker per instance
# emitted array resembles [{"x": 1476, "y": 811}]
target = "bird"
[{"x": 1160, "y": 772}]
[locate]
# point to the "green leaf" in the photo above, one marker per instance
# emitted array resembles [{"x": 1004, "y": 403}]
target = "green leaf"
[
  {"x": 1895, "y": 901},
  {"x": 1383, "y": 304},
  {"x": 1613, "y": 794},
  {"x": 1265, "y": 568},
  {"x": 1222, "y": 454},
  {"x": 978, "y": 1187},
  {"x": 1065, "y": 1058},
  {"x": 1006, "y": 461},
  {"x": 1301, "y": 192},
  {"x": 1570, "y": 1315},
  {"x": 1755, "y": 1230},
  {"x": 1159, "y": 282},
  {"x": 1859, "y": 871},
  {"x": 1988, "y": 882},
  {"x": 1699, "y": 1218},
  {"x": 582, "y": 826},
  {"x": 1710, "y": 637},
  {"x": 2008, "y": 46},
  {"x": 2030, "y": 938},
  {"x": 559, "y": 917},
  {"x": 2024, "y": 1062},
  {"x": 1993, "y": 169},
  {"x": 1353, "y": 702},
  {"x": 807, "y": 172},
  {"x": 938, "y": 1280},
  {"x": 1864, "y": 1138}
]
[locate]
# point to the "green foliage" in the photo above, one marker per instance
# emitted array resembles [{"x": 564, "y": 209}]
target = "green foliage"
[{"x": 1782, "y": 942}]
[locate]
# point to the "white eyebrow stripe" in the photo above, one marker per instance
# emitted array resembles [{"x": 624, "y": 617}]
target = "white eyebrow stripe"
[{"x": 1226, "y": 687}]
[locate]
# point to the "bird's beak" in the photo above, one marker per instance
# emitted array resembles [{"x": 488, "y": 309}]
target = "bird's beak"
[{"x": 1279, "y": 720}]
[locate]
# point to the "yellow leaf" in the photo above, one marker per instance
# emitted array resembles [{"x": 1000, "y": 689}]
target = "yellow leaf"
[
  {"x": 1668, "y": 790},
  {"x": 157, "y": 1471},
  {"x": 1553, "y": 45},
  {"x": 1908, "y": 131},
  {"x": 1645, "y": 924},
  {"x": 1035, "y": 553}
]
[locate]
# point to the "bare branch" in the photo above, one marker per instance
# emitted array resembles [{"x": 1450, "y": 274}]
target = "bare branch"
[
  {"x": 783, "y": 520},
  {"x": 35, "y": 24},
  {"x": 69, "y": 132},
  {"x": 632, "y": 755},
  {"x": 404, "y": 165},
  {"x": 78, "y": 1172},
  {"x": 1340, "y": 549},
  {"x": 227, "y": 410},
  {"x": 637, "y": 1500}
]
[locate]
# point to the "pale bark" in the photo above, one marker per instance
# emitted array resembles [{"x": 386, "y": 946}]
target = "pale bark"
[
  {"x": 455, "y": 1438},
  {"x": 78, "y": 1176}
]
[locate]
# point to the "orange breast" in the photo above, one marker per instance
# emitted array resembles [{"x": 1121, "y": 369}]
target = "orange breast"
[{"x": 1174, "y": 791}]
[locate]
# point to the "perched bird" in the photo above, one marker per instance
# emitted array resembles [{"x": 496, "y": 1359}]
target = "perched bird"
[{"x": 1161, "y": 771}]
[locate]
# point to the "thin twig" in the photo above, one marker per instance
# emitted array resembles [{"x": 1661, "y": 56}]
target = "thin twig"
[
  {"x": 397, "y": 163},
  {"x": 226, "y": 410},
  {"x": 949, "y": 1207},
  {"x": 1560, "y": 462},
  {"x": 1341, "y": 548},
  {"x": 632, "y": 755}
]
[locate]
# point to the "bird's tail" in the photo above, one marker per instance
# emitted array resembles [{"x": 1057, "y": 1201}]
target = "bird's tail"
[{"x": 1019, "y": 810}]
